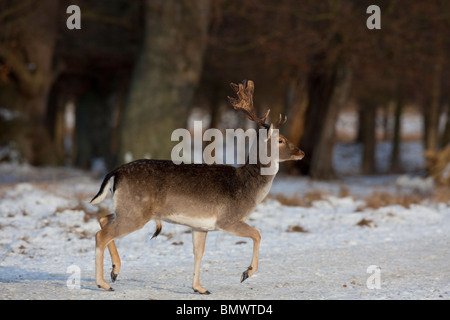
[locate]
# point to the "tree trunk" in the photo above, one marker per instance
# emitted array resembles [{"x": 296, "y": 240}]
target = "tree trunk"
[
  {"x": 165, "y": 76},
  {"x": 56, "y": 120},
  {"x": 296, "y": 103},
  {"x": 367, "y": 127},
  {"x": 445, "y": 140},
  {"x": 395, "y": 156},
  {"x": 322, "y": 161},
  {"x": 431, "y": 142},
  {"x": 320, "y": 85}
]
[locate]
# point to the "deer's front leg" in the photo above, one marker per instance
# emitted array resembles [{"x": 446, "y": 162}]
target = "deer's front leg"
[
  {"x": 242, "y": 229},
  {"x": 198, "y": 241}
]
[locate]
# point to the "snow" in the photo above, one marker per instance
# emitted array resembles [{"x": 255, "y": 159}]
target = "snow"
[{"x": 47, "y": 233}]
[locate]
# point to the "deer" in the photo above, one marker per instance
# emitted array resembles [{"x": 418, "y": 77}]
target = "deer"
[{"x": 204, "y": 197}]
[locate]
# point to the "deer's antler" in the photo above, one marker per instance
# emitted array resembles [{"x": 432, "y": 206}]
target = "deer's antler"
[
  {"x": 280, "y": 122},
  {"x": 244, "y": 102}
]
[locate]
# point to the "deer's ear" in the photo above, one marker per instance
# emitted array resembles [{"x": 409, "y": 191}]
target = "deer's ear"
[{"x": 269, "y": 132}]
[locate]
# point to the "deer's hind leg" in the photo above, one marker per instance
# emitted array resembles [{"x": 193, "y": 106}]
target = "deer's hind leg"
[
  {"x": 115, "y": 258},
  {"x": 112, "y": 228}
]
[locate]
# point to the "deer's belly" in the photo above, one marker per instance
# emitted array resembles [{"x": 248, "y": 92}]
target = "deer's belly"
[{"x": 200, "y": 223}]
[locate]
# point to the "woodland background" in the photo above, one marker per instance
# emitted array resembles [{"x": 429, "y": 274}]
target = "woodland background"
[{"x": 137, "y": 69}]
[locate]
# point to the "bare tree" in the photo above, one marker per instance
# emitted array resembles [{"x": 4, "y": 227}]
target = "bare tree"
[{"x": 165, "y": 75}]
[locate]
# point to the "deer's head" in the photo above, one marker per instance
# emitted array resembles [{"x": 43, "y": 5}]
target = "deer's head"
[{"x": 244, "y": 102}]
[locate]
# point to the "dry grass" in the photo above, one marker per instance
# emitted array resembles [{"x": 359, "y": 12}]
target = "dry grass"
[
  {"x": 382, "y": 199},
  {"x": 366, "y": 223},
  {"x": 306, "y": 200},
  {"x": 375, "y": 200},
  {"x": 297, "y": 229},
  {"x": 441, "y": 194}
]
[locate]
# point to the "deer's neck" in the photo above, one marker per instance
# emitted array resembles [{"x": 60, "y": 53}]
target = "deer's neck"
[
  {"x": 253, "y": 180},
  {"x": 268, "y": 168}
]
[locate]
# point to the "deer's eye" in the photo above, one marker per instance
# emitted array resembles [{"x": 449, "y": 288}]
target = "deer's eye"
[{"x": 280, "y": 141}]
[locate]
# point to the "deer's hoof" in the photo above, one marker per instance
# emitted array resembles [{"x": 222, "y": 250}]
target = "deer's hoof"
[
  {"x": 245, "y": 274},
  {"x": 113, "y": 276},
  {"x": 110, "y": 288},
  {"x": 205, "y": 293}
]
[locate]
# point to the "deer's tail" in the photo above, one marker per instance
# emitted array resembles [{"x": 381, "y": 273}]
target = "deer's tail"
[{"x": 107, "y": 183}]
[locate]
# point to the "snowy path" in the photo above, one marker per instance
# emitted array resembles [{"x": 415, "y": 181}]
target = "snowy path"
[{"x": 45, "y": 229}]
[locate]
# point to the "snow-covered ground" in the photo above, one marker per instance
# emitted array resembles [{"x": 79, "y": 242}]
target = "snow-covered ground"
[
  {"x": 325, "y": 240},
  {"x": 349, "y": 250}
]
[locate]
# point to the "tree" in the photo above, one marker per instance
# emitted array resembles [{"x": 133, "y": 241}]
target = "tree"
[
  {"x": 165, "y": 75},
  {"x": 29, "y": 35},
  {"x": 322, "y": 160}
]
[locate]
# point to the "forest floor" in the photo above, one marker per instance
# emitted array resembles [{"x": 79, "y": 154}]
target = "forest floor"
[{"x": 379, "y": 237}]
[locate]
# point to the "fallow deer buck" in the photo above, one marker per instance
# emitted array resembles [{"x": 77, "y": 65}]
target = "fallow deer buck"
[{"x": 203, "y": 197}]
